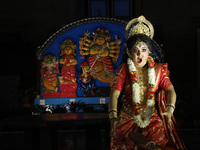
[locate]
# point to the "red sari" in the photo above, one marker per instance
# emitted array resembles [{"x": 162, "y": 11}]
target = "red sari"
[{"x": 157, "y": 130}]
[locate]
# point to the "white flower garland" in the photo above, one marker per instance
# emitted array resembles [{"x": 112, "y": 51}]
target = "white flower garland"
[{"x": 136, "y": 96}]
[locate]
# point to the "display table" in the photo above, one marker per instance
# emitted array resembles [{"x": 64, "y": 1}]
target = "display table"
[
  {"x": 61, "y": 101},
  {"x": 41, "y": 130}
]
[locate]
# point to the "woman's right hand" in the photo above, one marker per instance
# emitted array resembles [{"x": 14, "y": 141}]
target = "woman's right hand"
[{"x": 112, "y": 126}]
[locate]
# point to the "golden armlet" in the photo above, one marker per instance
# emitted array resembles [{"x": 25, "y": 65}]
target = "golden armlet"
[{"x": 170, "y": 108}]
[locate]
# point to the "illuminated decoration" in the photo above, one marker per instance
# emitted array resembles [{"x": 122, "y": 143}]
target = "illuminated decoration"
[{"x": 70, "y": 81}]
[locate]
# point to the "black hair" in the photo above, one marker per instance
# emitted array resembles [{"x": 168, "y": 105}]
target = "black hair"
[
  {"x": 139, "y": 38},
  {"x": 155, "y": 51}
]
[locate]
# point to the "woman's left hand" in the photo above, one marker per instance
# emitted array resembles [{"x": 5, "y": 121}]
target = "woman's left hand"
[{"x": 168, "y": 115}]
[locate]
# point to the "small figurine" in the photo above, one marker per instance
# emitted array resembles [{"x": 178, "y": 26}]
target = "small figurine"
[
  {"x": 87, "y": 81},
  {"x": 68, "y": 63},
  {"x": 49, "y": 76}
]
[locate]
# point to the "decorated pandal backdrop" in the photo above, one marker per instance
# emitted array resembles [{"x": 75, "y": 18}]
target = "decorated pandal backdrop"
[{"x": 80, "y": 60}]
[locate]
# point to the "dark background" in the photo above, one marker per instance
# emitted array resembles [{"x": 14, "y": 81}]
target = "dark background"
[{"x": 25, "y": 25}]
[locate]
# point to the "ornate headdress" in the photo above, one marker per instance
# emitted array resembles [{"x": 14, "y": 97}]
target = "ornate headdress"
[
  {"x": 101, "y": 32},
  {"x": 84, "y": 64},
  {"x": 50, "y": 58},
  {"x": 67, "y": 43},
  {"x": 139, "y": 26},
  {"x": 143, "y": 27}
]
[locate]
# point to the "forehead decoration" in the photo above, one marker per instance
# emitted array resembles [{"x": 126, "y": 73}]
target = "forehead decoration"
[{"x": 140, "y": 45}]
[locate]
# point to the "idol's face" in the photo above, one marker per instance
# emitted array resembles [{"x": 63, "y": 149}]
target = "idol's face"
[
  {"x": 100, "y": 40},
  {"x": 140, "y": 54},
  {"x": 49, "y": 64},
  {"x": 68, "y": 50},
  {"x": 98, "y": 67},
  {"x": 86, "y": 68}
]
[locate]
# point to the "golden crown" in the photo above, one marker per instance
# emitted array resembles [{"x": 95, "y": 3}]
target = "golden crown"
[
  {"x": 101, "y": 32},
  {"x": 139, "y": 26}
]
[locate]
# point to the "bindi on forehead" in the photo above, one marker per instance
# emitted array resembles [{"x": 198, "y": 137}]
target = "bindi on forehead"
[{"x": 140, "y": 45}]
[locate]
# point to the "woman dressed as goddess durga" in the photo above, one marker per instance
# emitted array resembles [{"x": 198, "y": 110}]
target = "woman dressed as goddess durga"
[{"x": 143, "y": 122}]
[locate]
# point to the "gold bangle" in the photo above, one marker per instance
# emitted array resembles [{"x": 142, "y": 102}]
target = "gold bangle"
[
  {"x": 170, "y": 109},
  {"x": 112, "y": 115},
  {"x": 151, "y": 142}
]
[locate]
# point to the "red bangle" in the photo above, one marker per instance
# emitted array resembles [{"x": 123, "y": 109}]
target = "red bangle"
[
  {"x": 171, "y": 105},
  {"x": 112, "y": 110}
]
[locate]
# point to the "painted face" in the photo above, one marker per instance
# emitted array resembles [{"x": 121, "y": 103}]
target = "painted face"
[
  {"x": 98, "y": 67},
  {"x": 86, "y": 68},
  {"x": 100, "y": 40},
  {"x": 140, "y": 54},
  {"x": 68, "y": 50},
  {"x": 49, "y": 64}
]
